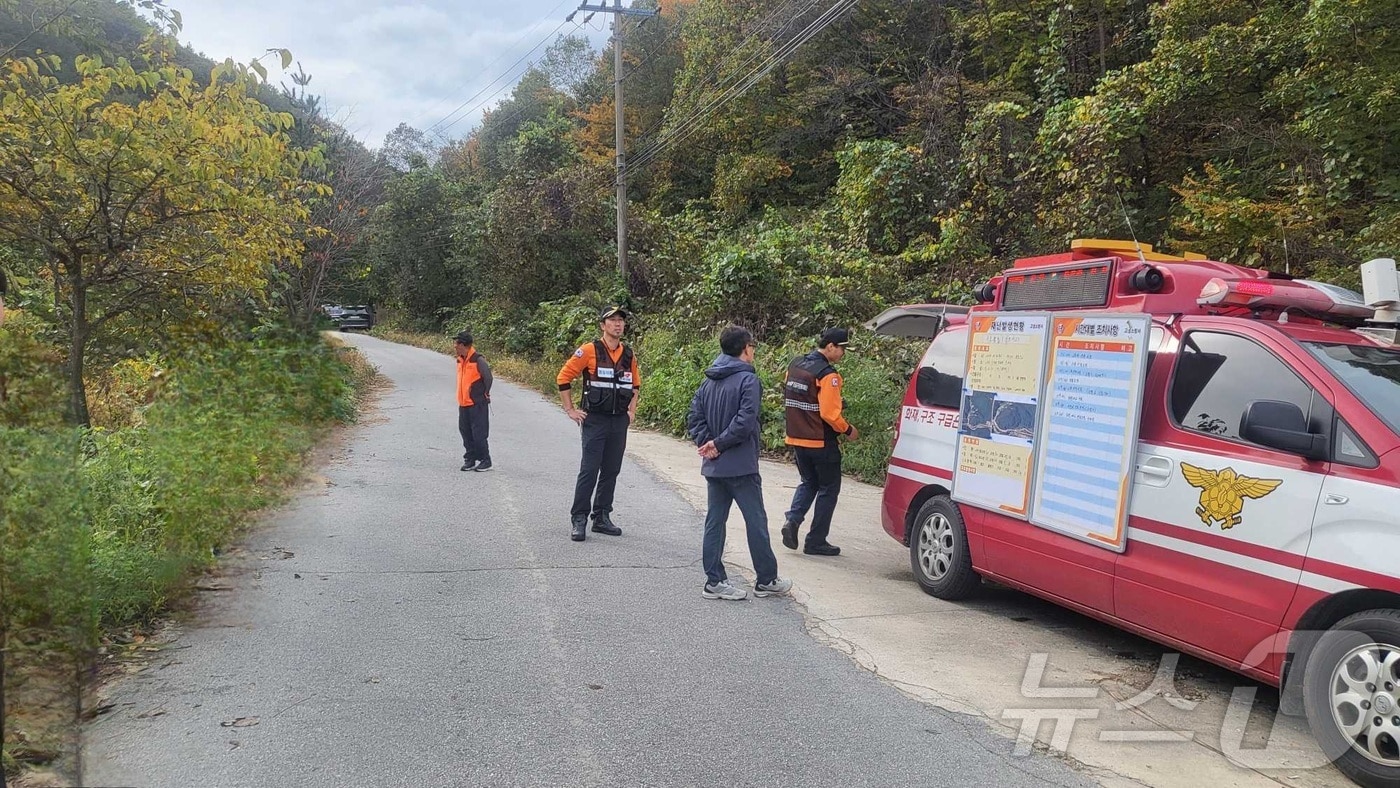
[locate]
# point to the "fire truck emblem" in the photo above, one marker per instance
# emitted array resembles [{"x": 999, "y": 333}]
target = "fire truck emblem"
[{"x": 1223, "y": 493}]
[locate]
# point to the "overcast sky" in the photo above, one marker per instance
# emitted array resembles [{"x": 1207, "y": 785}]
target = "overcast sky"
[{"x": 378, "y": 63}]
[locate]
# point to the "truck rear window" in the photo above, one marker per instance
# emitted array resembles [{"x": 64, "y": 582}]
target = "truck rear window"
[{"x": 1371, "y": 373}]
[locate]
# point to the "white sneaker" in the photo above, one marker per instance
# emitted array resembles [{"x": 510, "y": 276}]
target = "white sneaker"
[
  {"x": 722, "y": 590},
  {"x": 780, "y": 585}
]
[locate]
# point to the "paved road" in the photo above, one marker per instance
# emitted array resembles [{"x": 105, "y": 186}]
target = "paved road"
[{"x": 409, "y": 624}]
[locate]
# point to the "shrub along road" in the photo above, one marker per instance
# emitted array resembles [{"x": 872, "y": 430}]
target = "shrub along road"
[{"x": 404, "y": 623}]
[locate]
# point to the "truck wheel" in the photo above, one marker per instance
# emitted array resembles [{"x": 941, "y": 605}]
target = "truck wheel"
[
  {"x": 938, "y": 551},
  {"x": 1351, "y": 692}
]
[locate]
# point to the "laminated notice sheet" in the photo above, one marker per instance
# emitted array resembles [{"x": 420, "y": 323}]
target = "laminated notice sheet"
[
  {"x": 1000, "y": 411},
  {"x": 1088, "y": 438}
]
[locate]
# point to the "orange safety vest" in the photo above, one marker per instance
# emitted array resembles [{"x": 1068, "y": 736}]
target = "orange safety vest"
[{"x": 468, "y": 375}]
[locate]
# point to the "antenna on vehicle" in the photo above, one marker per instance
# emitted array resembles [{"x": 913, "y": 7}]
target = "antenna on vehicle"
[{"x": 1129, "y": 222}]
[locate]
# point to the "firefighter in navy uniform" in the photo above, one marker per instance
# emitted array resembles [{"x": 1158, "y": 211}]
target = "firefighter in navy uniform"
[
  {"x": 609, "y": 403},
  {"x": 812, "y": 405}
]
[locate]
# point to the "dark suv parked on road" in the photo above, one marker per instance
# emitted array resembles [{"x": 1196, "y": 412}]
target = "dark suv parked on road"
[{"x": 353, "y": 317}]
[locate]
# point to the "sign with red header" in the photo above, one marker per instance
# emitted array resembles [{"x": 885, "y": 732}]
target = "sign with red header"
[
  {"x": 1000, "y": 411},
  {"x": 1088, "y": 437}
]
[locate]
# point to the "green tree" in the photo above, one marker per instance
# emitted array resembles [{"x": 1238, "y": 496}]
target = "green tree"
[
  {"x": 58, "y": 25},
  {"x": 410, "y": 247},
  {"x": 406, "y": 148},
  {"x": 336, "y": 239},
  {"x": 534, "y": 101},
  {"x": 885, "y": 193},
  {"x": 147, "y": 209},
  {"x": 542, "y": 237}
]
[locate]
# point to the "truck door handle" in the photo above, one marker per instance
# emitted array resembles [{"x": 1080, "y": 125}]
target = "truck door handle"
[
  {"x": 1155, "y": 467},
  {"x": 1333, "y": 499}
]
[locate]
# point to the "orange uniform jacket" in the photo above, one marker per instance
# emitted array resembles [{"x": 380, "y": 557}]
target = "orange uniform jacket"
[
  {"x": 829, "y": 400},
  {"x": 584, "y": 360}
]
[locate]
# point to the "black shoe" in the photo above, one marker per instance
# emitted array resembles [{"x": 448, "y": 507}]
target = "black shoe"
[
  {"x": 469, "y": 466},
  {"x": 790, "y": 536},
  {"x": 483, "y": 466},
  {"x": 822, "y": 549},
  {"x": 580, "y": 528},
  {"x": 604, "y": 525}
]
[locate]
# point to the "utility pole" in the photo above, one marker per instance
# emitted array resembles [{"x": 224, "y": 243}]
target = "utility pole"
[
  {"x": 618, "y": 12},
  {"x": 621, "y": 154}
]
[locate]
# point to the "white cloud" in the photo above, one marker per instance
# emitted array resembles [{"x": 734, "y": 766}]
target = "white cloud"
[{"x": 376, "y": 65}]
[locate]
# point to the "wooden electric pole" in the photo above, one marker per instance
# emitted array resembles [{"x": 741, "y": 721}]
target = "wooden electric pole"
[{"x": 618, "y": 13}]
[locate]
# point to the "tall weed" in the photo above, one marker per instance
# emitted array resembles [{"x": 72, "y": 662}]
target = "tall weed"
[
  {"x": 31, "y": 380},
  {"x": 221, "y": 440},
  {"x": 102, "y": 525}
]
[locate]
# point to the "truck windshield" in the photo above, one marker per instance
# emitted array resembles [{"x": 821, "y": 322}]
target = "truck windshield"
[{"x": 1372, "y": 374}]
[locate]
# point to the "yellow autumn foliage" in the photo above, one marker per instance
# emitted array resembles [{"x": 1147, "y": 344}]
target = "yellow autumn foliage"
[{"x": 145, "y": 192}]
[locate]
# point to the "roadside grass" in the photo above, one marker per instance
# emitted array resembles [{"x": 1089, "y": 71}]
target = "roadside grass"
[{"x": 103, "y": 529}]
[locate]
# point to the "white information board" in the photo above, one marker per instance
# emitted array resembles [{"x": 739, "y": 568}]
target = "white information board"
[
  {"x": 1088, "y": 438},
  {"x": 1000, "y": 411}
]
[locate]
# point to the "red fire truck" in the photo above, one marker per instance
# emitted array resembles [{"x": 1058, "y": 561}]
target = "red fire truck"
[{"x": 1259, "y": 500}]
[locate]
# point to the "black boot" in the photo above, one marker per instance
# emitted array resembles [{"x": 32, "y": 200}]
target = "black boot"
[
  {"x": 604, "y": 525},
  {"x": 580, "y": 527},
  {"x": 790, "y": 535}
]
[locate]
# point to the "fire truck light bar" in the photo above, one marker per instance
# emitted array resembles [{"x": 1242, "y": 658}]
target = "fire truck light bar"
[{"x": 1280, "y": 294}]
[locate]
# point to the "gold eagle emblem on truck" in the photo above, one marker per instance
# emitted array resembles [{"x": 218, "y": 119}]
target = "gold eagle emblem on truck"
[{"x": 1223, "y": 493}]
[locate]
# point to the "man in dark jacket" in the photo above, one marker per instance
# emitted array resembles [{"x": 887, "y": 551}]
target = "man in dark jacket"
[{"x": 724, "y": 423}]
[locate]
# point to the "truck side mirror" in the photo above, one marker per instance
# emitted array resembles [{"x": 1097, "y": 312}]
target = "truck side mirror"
[{"x": 1282, "y": 426}]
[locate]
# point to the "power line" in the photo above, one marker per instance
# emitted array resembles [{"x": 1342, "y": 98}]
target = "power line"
[
  {"x": 703, "y": 109},
  {"x": 440, "y": 127},
  {"x": 694, "y": 120},
  {"x": 784, "y": 10},
  {"x": 650, "y": 54},
  {"x": 443, "y": 125},
  {"x": 787, "y": 9},
  {"x": 740, "y": 85},
  {"x": 736, "y": 86},
  {"x": 498, "y": 59}
]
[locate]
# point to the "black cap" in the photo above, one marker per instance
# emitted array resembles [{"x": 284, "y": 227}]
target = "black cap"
[
  {"x": 465, "y": 337},
  {"x": 834, "y": 336},
  {"x": 613, "y": 310}
]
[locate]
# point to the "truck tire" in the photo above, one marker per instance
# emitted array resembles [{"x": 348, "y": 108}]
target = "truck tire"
[
  {"x": 938, "y": 551},
  {"x": 1351, "y": 693}
]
